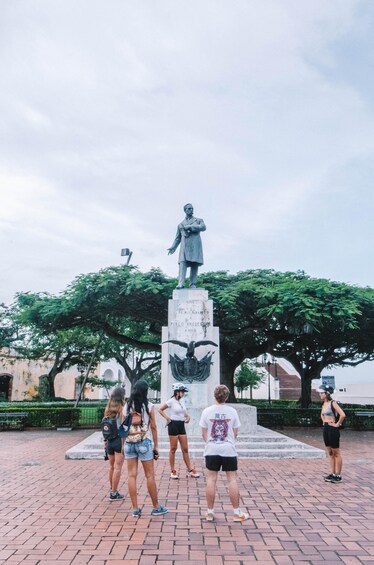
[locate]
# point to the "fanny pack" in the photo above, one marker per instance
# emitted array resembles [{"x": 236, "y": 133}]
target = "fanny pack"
[{"x": 138, "y": 429}]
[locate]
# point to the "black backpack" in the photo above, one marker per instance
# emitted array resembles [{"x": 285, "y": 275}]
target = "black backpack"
[
  {"x": 336, "y": 415},
  {"x": 109, "y": 428}
]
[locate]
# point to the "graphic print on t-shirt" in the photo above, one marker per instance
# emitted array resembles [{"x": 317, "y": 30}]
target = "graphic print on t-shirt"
[{"x": 220, "y": 428}]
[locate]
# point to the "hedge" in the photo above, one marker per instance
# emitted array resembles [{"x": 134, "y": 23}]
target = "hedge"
[{"x": 89, "y": 414}]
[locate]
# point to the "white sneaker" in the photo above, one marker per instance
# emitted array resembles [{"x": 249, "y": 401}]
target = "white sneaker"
[
  {"x": 193, "y": 474},
  {"x": 241, "y": 517},
  {"x": 174, "y": 475},
  {"x": 209, "y": 517}
]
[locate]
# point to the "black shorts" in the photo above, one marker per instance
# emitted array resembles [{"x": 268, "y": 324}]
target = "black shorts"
[
  {"x": 331, "y": 436},
  {"x": 215, "y": 462},
  {"x": 114, "y": 446},
  {"x": 176, "y": 428}
]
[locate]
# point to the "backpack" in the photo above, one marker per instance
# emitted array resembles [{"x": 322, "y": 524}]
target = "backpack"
[
  {"x": 109, "y": 428},
  {"x": 336, "y": 415}
]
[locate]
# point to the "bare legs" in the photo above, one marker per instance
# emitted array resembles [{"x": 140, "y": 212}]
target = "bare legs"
[
  {"x": 183, "y": 441},
  {"x": 233, "y": 488},
  {"x": 115, "y": 468},
  {"x": 335, "y": 460},
  {"x": 211, "y": 488},
  {"x": 132, "y": 470}
]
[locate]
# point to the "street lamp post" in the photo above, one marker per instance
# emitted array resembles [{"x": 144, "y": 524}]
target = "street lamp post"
[
  {"x": 126, "y": 253},
  {"x": 276, "y": 380},
  {"x": 269, "y": 375},
  {"x": 266, "y": 361}
]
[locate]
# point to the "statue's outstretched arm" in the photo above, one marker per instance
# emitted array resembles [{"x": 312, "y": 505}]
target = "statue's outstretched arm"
[{"x": 176, "y": 242}]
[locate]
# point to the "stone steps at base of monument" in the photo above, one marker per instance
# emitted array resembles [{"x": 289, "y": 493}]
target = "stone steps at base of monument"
[
  {"x": 278, "y": 448},
  {"x": 264, "y": 445},
  {"x": 251, "y": 453}
]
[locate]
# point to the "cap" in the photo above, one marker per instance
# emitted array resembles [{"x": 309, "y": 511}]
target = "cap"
[
  {"x": 179, "y": 387},
  {"x": 326, "y": 388}
]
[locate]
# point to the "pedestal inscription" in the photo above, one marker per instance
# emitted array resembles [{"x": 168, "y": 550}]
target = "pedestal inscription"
[{"x": 190, "y": 349}]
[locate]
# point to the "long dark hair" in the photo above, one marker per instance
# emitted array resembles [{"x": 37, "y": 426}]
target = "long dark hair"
[{"x": 138, "y": 398}]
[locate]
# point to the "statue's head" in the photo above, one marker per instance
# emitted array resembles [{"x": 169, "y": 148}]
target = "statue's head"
[{"x": 188, "y": 208}]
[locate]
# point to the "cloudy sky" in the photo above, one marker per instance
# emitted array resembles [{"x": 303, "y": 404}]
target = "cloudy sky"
[{"x": 115, "y": 114}]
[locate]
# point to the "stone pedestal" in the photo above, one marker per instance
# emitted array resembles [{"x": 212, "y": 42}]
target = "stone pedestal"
[{"x": 190, "y": 319}]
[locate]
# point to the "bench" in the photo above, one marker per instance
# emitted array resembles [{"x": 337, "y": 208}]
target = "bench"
[
  {"x": 12, "y": 420},
  {"x": 363, "y": 419}
]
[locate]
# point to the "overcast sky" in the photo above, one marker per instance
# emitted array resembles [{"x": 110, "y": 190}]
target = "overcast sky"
[{"x": 115, "y": 114}]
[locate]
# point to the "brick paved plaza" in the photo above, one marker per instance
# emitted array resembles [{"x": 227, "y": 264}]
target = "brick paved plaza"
[{"x": 57, "y": 511}]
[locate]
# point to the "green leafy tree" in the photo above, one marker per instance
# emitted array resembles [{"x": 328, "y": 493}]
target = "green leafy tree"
[
  {"x": 10, "y": 331},
  {"x": 154, "y": 381},
  {"x": 136, "y": 364},
  {"x": 93, "y": 381},
  {"x": 248, "y": 376},
  {"x": 60, "y": 349},
  {"x": 318, "y": 324},
  {"x": 257, "y": 311}
]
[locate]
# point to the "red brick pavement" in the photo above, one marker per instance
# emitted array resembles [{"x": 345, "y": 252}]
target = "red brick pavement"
[{"x": 57, "y": 511}]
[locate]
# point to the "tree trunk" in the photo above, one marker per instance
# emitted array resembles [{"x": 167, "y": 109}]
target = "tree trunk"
[
  {"x": 228, "y": 367},
  {"x": 306, "y": 390},
  {"x": 51, "y": 384}
]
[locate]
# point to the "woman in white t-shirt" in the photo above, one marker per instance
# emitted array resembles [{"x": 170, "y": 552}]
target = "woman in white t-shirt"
[{"x": 176, "y": 419}]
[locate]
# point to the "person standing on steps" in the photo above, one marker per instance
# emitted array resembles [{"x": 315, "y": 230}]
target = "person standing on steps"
[
  {"x": 176, "y": 419},
  {"x": 219, "y": 426},
  {"x": 330, "y": 412},
  {"x": 191, "y": 248}
]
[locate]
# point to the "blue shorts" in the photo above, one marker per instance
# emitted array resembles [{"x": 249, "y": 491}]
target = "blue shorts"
[{"x": 141, "y": 450}]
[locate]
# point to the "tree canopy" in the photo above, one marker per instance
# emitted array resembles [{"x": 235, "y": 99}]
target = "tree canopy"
[
  {"x": 314, "y": 323},
  {"x": 248, "y": 376}
]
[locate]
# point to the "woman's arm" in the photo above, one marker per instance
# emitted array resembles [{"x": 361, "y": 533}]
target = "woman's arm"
[
  {"x": 152, "y": 421},
  {"x": 161, "y": 411},
  {"x": 340, "y": 411}
]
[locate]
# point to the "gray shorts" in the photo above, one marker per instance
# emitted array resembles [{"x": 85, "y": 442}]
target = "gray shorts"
[{"x": 141, "y": 450}]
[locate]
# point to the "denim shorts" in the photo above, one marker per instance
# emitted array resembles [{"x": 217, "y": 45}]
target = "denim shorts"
[{"x": 141, "y": 450}]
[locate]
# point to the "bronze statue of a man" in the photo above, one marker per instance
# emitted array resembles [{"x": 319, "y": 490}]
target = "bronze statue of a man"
[{"x": 191, "y": 249}]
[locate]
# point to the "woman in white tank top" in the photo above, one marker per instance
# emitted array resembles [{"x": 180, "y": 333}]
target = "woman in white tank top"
[{"x": 176, "y": 419}]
